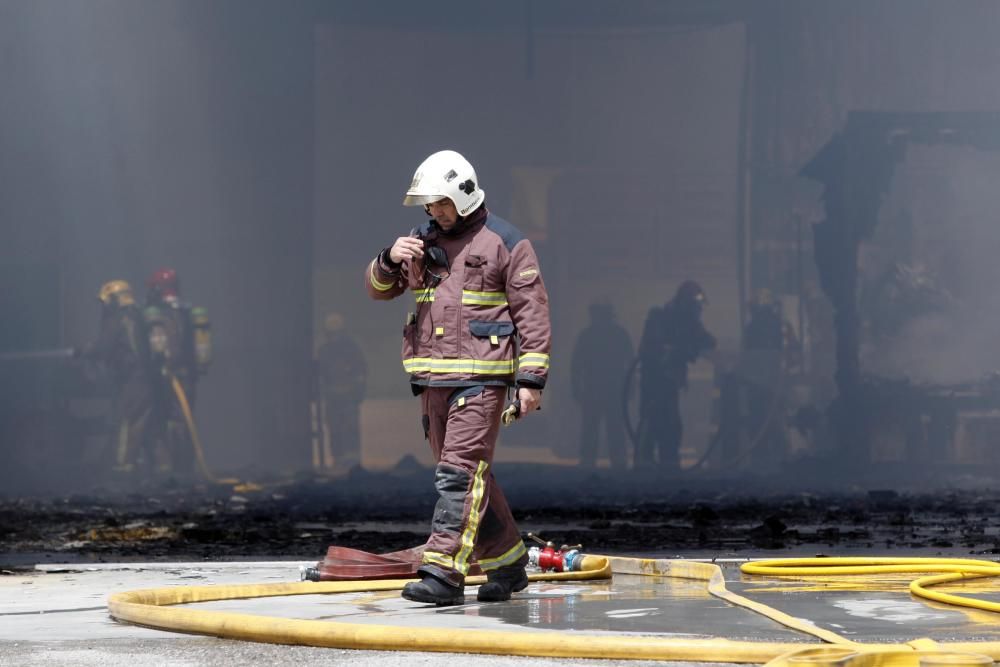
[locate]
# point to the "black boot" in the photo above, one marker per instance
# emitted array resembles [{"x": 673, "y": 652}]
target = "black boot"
[
  {"x": 501, "y": 582},
  {"x": 432, "y": 590}
]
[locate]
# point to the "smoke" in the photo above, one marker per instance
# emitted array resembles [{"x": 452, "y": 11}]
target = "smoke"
[{"x": 930, "y": 275}]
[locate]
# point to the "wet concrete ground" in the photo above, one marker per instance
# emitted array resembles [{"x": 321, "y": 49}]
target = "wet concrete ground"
[
  {"x": 57, "y": 615},
  {"x": 168, "y": 521}
]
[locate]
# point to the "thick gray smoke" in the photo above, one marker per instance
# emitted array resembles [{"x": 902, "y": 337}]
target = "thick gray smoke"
[
  {"x": 262, "y": 147},
  {"x": 931, "y": 274}
]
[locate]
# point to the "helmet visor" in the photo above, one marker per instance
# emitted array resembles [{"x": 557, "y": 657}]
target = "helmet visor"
[{"x": 421, "y": 200}]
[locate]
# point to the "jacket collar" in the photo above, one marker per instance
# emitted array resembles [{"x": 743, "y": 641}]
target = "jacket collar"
[{"x": 464, "y": 225}]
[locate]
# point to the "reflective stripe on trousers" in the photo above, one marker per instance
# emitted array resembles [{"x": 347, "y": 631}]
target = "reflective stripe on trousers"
[{"x": 471, "y": 518}]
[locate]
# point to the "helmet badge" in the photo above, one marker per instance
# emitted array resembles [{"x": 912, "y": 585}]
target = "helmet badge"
[{"x": 468, "y": 187}]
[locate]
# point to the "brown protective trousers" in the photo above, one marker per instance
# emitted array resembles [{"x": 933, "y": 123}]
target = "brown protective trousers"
[{"x": 472, "y": 519}]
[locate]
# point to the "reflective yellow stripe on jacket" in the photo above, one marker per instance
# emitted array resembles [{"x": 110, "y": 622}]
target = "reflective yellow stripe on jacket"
[
  {"x": 470, "y": 366},
  {"x": 380, "y": 286},
  {"x": 469, "y": 297},
  {"x": 532, "y": 360}
]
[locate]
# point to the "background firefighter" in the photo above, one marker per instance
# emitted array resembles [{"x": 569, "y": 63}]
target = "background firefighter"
[
  {"x": 343, "y": 375},
  {"x": 121, "y": 348},
  {"x": 601, "y": 358},
  {"x": 672, "y": 338},
  {"x": 180, "y": 347},
  {"x": 481, "y": 325}
]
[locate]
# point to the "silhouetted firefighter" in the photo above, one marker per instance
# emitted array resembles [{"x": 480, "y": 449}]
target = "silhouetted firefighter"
[
  {"x": 672, "y": 338},
  {"x": 601, "y": 358}
]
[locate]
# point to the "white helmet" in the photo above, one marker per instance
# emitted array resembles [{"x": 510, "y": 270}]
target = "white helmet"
[{"x": 446, "y": 174}]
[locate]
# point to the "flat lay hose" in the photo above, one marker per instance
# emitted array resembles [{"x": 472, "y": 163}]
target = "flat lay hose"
[{"x": 150, "y": 608}]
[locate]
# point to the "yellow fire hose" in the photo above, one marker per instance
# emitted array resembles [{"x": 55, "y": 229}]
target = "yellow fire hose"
[
  {"x": 918, "y": 653},
  {"x": 147, "y": 608},
  {"x": 199, "y": 451},
  {"x": 954, "y": 569}
]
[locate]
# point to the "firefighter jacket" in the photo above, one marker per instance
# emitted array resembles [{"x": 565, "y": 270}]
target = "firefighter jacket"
[
  {"x": 481, "y": 313},
  {"x": 121, "y": 345}
]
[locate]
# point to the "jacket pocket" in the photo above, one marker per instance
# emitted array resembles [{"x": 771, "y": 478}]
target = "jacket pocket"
[
  {"x": 445, "y": 333},
  {"x": 462, "y": 395},
  {"x": 487, "y": 329},
  {"x": 492, "y": 337},
  {"x": 492, "y": 344},
  {"x": 475, "y": 273}
]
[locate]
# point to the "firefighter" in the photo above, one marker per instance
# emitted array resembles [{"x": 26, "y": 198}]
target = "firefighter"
[
  {"x": 121, "y": 348},
  {"x": 343, "y": 374},
  {"x": 601, "y": 358},
  {"x": 180, "y": 344},
  {"x": 480, "y": 326},
  {"x": 672, "y": 338}
]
